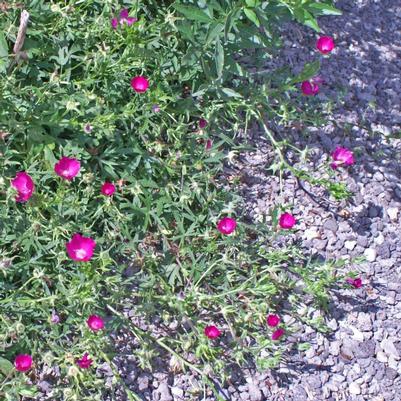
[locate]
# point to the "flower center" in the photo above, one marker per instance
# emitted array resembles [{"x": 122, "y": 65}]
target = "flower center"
[{"x": 80, "y": 253}]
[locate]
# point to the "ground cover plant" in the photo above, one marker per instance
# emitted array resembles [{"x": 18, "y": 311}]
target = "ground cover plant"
[{"x": 116, "y": 121}]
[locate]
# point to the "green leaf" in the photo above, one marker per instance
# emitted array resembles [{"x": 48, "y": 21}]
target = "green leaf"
[
  {"x": 192, "y": 13},
  {"x": 206, "y": 67},
  {"x": 6, "y": 366},
  {"x": 3, "y": 53},
  {"x": 27, "y": 391},
  {"x": 323, "y": 9},
  {"x": 303, "y": 346},
  {"x": 251, "y": 3},
  {"x": 230, "y": 22},
  {"x": 214, "y": 31},
  {"x": 49, "y": 155},
  {"x": 312, "y": 23},
  {"x": 252, "y": 16},
  {"x": 236, "y": 68},
  {"x": 219, "y": 58},
  {"x": 185, "y": 29},
  {"x": 305, "y": 17},
  {"x": 309, "y": 71},
  {"x": 230, "y": 93},
  {"x": 3, "y": 46}
]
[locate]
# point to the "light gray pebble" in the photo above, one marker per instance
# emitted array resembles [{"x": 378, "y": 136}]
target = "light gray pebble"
[
  {"x": 391, "y": 374},
  {"x": 320, "y": 244},
  {"x": 384, "y": 251},
  {"x": 164, "y": 392},
  {"x": 299, "y": 393},
  {"x": 350, "y": 245},
  {"x": 177, "y": 392},
  {"x": 143, "y": 382},
  {"x": 389, "y": 348},
  {"x": 364, "y": 362},
  {"x": 364, "y": 321},
  {"x": 354, "y": 388},
  {"x": 254, "y": 392},
  {"x": 335, "y": 348},
  {"x": 362, "y": 241},
  {"x": 244, "y": 396},
  {"x": 331, "y": 225},
  {"x": 314, "y": 381}
]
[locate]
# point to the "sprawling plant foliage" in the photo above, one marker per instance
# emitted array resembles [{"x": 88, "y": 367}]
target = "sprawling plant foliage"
[{"x": 67, "y": 92}]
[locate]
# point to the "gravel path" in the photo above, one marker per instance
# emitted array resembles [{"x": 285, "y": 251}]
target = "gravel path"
[{"x": 360, "y": 359}]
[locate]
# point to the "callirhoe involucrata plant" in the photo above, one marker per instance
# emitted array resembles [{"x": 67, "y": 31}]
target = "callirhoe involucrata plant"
[{"x": 116, "y": 119}]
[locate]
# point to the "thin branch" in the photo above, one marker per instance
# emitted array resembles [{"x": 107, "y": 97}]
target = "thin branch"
[{"x": 23, "y": 25}]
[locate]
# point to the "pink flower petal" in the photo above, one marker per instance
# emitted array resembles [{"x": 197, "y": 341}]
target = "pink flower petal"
[
  {"x": 212, "y": 332},
  {"x": 131, "y": 20},
  {"x": 287, "y": 221},
  {"x": 325, "y": 44},
  {"x": 108, "y": 189},
  {"x": 277, "y": 334},
  {"x": 124, "y": 13},
  {"x": 343, "y": 156},
  {"x": 85, "y": 362},
  {"x": 67, "y": 168},
  {"x": 23, "y": 362},
  {"x": 309, "y": 88},
  {"x": 95, "y": 323},
  {"x": 226, "y": 225},
  {"x": 273, "y": 320},
  {"x": 24, "y": 185},
  {"x": 80, "y": 249},
  {"x": 140, "y": 84}
]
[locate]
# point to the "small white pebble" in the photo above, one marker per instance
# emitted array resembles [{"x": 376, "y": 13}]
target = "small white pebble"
[{"x": 370, "y": 254}]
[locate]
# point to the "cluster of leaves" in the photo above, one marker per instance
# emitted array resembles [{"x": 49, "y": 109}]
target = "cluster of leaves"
[{"x": 75, "y": 70}]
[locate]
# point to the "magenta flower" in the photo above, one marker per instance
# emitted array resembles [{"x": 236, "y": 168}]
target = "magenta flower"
[
  {"x": 85, "y": 362},
  {"x": 208, "y": 144},
  {"x": 114, "y": 23},
  {"x": 226, "y": 225},
  {"x": 277, "y": 334},
  {"x": 23, "y": 362},
  {"x": 140, "y": 84},
  {"x": 123, "y": 19},
  {"x": 95, "y": 323},
  {"x": 325, "y": 44},
  {"x": 55, "y": 318},
  {"x": 212, "y": 332},
  {"x": 80, "y": 248},
  {"x": 23, "y": 183},
  {"x": 67, "y": 168},
  {"x": 355, "y": 282},
  {"x": 310, "y": 88},
  {"x": 287, "y": 221},
  {"x": 108, "y": 189},
  {"x": 202, "y": 123},
  {"x": 272, "y": 320},
  {"x": 342, "y": 156}
]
